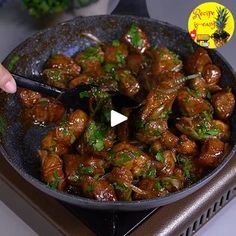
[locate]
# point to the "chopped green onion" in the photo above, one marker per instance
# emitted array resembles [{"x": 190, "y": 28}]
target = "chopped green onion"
[
  {"x": 134, "y": 34},
  {"x": 158, "y": 186},
  {"x": 84, "y": 94},
  {"x": 85, "y": 169},
  {"x": 56, "y": 181},
  {"x": 120, "y": 57},
  {"x": 115, "y": 43},
  {"x": 160, "y": 157}
]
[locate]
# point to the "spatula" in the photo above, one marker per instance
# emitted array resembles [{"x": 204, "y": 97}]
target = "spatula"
[{"x": 71, "y": 97}]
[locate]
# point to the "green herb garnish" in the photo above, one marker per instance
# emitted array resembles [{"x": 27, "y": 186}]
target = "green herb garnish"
[
  {"x": 93, "y": 53},
  {"x": 135, "y": 37},
  {"x": 208, "y": 95},
  {"x": 136, "y": 153},
  {"x": 123, "y": 158},
  {"x": 176, "y": 59},
  {"x": 206, "y": 116},
  {"x": 84, "y": 94},
  {"x": 186, "y": 165},
  {"x": 56, "y": 181},
  {"x": 85, "y": 169},
  {"x": 115, "y": 43},
  {"x": 160, "y": 157},
  {"x": 72, "y": 137},
  {"x": 187, "y": 100},
  {"x": 111, "y": 154},
  {"x": 109, "y": 67},
  {"x": 120, "y": 57},
  {"x": 151, "y": 173},
  {"x": 119, "y": 186},
  {"x": 40, "y": 8},
  {"x": 64, "y": 131},
  {"x": 140, "y": 124},
  {"x": 156, "y": 133},
  {"x": 158, "y": 186},
  {"x": 203, "y": 131},
  {"x": 89, "y": 188},
  {"x": 165, "y": 114},
  {"x": 95, "y": 137},
  {"x": 13, "y": 61},
  {"x": 75, "y": 178},
  {"x": 193, "y": 92},
  {"x": 55, "y": 75}
]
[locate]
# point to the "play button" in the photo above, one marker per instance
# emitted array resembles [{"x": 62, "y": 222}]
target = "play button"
[{"x": 117, "y": 118}]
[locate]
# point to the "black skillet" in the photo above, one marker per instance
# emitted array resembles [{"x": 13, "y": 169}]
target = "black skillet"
[{"x": 19, "y": 144}]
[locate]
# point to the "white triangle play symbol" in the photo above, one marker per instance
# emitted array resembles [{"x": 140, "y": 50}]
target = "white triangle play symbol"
[{"x": 117, "y": 118}]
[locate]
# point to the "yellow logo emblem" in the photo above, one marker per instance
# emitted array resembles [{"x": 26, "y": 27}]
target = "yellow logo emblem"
[{"x": 211, "y": 25}]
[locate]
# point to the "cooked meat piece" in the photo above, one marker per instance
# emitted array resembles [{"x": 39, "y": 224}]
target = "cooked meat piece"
[
  {"x": 135, "y": 62},
  {"x": 186, "y": 146},
  {"x": 170, "y": 80},
  {"x": 164, "y": 60},
  {"x": 70, "y": 167},
  {"x": 191, "y": 105},
  {"x": 52, "y": 170},
  {"x": 152, "y": 187},
  {"x": 197, "y": 128},
  {"x": 168, "y": 139},
  {"x": 115, "y": 52},
  {"x": 156, "y": 103},
  {"x": 119, "y": 177},
  {"x": 198, "y": 87},
  {"x": 151, "y": 131},
  {"x": 98, "y": 138},
  {"x": 80, "y": 79},
  {"x": 136, "y": 39},
  {"x": 100, "y": 189},
  {"x": 165, "y": 164},
  {"x": 90, "y": 60},
  {"x": 156, "y": 146},
  {"x": 127, "y": 83},
  {"x": 131, "y": 157},
  {"x": 224, "y": 130},
  {"x": 71, "y": 128},
  {"x": 77, "y": 122},
  {"x": 45, "y": 110},
  {"x": 211, "y": 74},
  {"x": 57, "y": 77},
  {"x": 197, "y": 61},
  {"x": 212, "y": 152},
  {"x": 28, "y": 97},
  {"x": 51, "y": 145},
  {"x": 224, "y": 103},
  {"x": 76, "y": 167},
  {"x": 60, "y": 61}
]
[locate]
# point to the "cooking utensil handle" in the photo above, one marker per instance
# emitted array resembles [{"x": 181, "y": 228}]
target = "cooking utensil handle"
[
  {"x": 36, "y": 86},
  {"x": 134, "y": 8}
]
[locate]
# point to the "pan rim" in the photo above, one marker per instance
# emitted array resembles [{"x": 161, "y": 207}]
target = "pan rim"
[{"x": 118, "y": 205}]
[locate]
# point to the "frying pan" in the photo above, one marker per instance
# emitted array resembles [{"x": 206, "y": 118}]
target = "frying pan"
[{"x": 19, "y": 143}]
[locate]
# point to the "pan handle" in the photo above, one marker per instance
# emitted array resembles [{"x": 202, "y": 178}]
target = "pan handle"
[{"x": 134, "y": 8}]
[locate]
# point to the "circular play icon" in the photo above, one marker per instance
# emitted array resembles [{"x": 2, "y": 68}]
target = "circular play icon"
[{"x": 211, "y": 25}]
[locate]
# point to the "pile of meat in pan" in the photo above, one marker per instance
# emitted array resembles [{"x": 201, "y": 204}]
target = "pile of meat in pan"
[{"x": 178, "y": 133}]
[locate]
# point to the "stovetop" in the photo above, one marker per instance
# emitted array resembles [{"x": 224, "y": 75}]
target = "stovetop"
[
  {"x": 111, "y": 223},
  {"x": 48, "y": 216}
]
